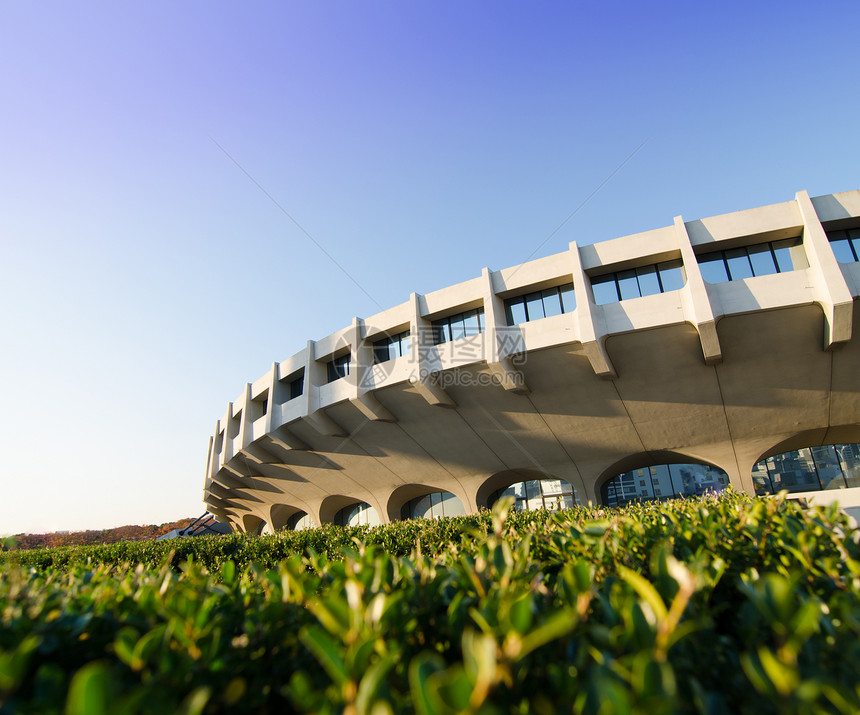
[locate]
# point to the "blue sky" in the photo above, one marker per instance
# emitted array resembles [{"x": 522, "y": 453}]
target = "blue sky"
[{"x": 144, "y": 277}]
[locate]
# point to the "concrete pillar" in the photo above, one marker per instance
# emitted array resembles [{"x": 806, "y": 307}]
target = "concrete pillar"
[
  {"x": 423, "y": 379},
  {"x": 496, "y": 350},
  {"x": 591, "y": 328},
  {"x": 695, "y": 299},
  {"x": 831, "y": 289}
]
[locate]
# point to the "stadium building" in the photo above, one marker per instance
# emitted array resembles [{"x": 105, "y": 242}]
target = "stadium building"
[{"x": 676, "y": 361}]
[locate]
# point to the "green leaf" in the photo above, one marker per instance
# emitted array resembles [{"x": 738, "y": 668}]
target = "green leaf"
[
  {"x": 326, "y": 651},
  {"x": 423, "y": 666},
  {"x": 646, "y": 591},
  {"x": 91, "y": 691}
]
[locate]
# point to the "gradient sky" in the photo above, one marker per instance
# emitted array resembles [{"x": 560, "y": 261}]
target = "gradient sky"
[{"x": 144, "y": 278}]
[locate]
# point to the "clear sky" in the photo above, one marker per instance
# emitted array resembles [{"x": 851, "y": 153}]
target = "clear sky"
[{"x": 144, "y": 278}]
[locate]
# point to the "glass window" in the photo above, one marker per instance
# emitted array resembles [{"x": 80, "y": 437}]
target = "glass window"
[
  {"x": 713, "y": 267},
  {"x": 828, "y": 467},
  {"x": 605, "y": 289},
  {"x": 433, "y": 506},
  {"x": 338, "y": 368},
  {"x": 846, "y": 245},
  {"x": 472, "y": 323},
  {"x": 539, "y": 494},
  {"x": 642, "y": 281},
  {"x": 759, "y": 260},
  {"x": 540, "y": 304},
  {"x": 782, "y": 253},
  {"x": 516, "y": 311},
  {"x": 458, "y": 326},
  {"x": 534, "y": 306},
  {"x": 649, "y": 284},
  {"x": 662, "y": 481},
  {"x": 295, "y": 387},
  {"x": 392, "y": 347},
  {"x": 451, "y": 505},
  {"x": 382, "y": 351},
  {"x": 849, "y": 461},
  {"x": 551, "y": 302},
  {"x": 568, "y": 298},
  {"x": 739, "y": 264},
  {"x": 628, "y": 286},
  {"x": 671, "y": 275},
  {"x": 762, "y": 260},
  {"x": 809, "y": 469},
  {"x": 405, "y": 345},
  {"x": 843, "y": 250}
]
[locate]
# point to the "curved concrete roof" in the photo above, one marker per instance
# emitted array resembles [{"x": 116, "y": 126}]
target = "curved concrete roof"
[{"x": 723, "y": 374}]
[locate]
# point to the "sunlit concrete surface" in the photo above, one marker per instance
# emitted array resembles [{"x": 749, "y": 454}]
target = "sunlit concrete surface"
[{"x": 698, "y": 369}]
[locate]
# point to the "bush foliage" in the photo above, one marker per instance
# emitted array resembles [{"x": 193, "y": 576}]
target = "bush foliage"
[{"x": 728, "y": 605}]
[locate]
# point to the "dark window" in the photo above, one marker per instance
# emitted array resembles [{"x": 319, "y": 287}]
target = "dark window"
[
  {"x": 638, "y": 282},
  {"x": 540, "y": 304},
  {"x": 390, "y": 348},
  {"x": 845, "y": 245},
  {"x": 762, "y": 259},
  {"x": 297, "y": 386},
  {"x": 458, "y": 326},
  {"x": 338, "y": 368},
  {"x": 292, "y": 387}
]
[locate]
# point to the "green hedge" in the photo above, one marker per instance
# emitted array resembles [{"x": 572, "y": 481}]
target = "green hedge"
[{"x": 729, "y": 605}]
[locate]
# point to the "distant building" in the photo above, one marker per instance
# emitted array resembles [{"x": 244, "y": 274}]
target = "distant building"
[
  {"x": 676, "y": 361},
  {"x": 205, "y": 525}
]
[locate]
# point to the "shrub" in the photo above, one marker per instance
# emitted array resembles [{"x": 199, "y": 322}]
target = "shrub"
[{"x": 733, "y": 605}]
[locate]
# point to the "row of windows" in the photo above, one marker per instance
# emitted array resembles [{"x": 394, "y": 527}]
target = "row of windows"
[
  {"x": 832, "y": 466},
  {"x": 389, "y": 348},
  {"x": 763, "y": 259},
  {"x": 458, "y": 326},
  {"x": 845, "y": 245},
  {"x": 664, "y": 481},
  {"x": 433, "y": 506},
  {"x": 540, "y": 304},
  {"x": 638, "y": 282},
  {"x": 717, "y": 267},
  {"x": 550, "y": 494},
  {"x": 360, "y": 514},
  {"x": 338, "y": 368}
]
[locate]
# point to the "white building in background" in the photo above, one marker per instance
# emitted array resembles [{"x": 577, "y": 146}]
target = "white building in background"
[{"x": 669, "y": 362}]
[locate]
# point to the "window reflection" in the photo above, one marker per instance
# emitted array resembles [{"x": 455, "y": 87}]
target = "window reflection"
[
  {"x": 433, "y": 506},
  {"x": 663, "y": 481},
  {"x": 550, "y": 494},
  {"x": 834, "y": 466}
]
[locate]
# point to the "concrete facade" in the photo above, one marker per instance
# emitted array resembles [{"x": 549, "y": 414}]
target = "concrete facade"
[{"x": 723, "y": 373}]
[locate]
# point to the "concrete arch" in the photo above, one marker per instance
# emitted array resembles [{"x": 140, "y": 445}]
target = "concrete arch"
[
  {"x": 253, "y": 524},
  {"x": 333, "y": 503},
  {"x": 280, "y": 515},
  {"x": 643, "y": 460},
  {"x": 502, "y": 480},
  {"x": 398, "y": 498},
  {"x": 844, "y": 434}
]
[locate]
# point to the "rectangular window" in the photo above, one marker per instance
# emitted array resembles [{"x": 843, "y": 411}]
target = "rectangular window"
[
  {"x": 762, "y": 259},
  {"x": 845, "y": 245},
  {"x": 297, "y": 386},
  {"x": 338, "y": 368},
  {"x": 458, "y": 326},
  {"x": 540, "y": 304},
  {"x": 638, "y": 282},
  {"x": 393, "y": 347},
  {"x": 671, "y": 275}
]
